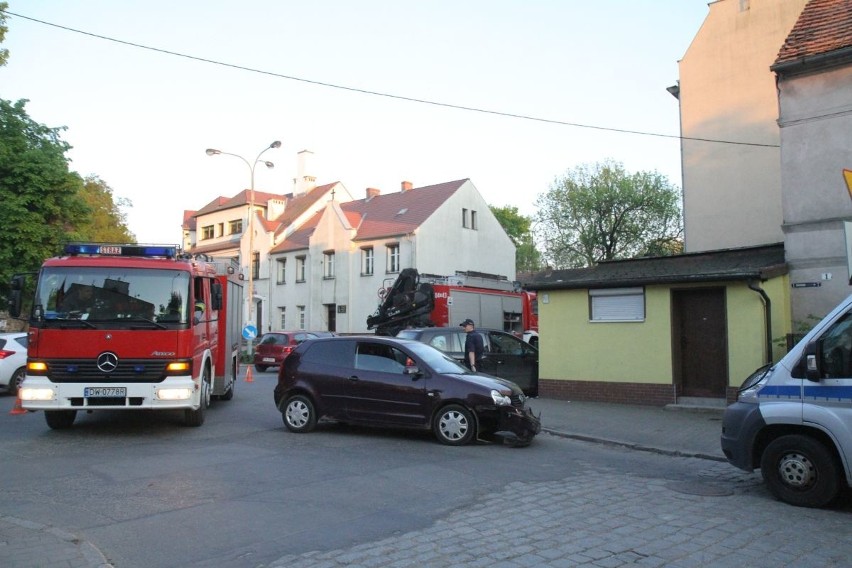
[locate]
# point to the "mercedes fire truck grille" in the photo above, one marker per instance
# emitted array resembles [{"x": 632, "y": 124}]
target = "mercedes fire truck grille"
[{"x": 86, "y": 370}]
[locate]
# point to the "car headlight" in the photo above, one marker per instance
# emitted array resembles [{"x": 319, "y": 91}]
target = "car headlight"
[
  {"x": 500, "y": 399},
  {"x": 750, "y": 387}
]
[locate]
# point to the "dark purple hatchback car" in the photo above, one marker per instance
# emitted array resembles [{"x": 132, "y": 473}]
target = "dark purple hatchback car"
[{"x": 383, "y": 381}]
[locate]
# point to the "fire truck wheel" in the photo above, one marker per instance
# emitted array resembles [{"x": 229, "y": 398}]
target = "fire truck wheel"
[
  {"x": 60, "y": 419},
  {"x": 299, "y": 414},
  {"x": 229, "y": 394},
  {"x": 196, "y": 417}
]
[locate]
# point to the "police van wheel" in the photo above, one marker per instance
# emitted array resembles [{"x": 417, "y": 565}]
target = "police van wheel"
[
  {"x": 60, "y": 419},
  {"x": 800, "y": 471}
]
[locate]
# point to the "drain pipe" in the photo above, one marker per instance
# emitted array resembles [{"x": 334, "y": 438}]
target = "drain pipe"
[{"x": 767, "y": 316}]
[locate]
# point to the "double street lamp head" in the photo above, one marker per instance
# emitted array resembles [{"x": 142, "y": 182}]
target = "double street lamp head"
[{"x": 214, "y": 151}]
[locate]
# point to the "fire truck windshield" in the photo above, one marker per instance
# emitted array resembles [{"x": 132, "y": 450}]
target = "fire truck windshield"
[{"x": 112, "y": 295}]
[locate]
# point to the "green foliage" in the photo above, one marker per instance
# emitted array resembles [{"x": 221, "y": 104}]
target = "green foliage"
[
  {"x": 4, "y": 53},
  {"x": 601, "y": 212},
  {"x": 41, "y": 202},
  {"x": 517, "y": 227},
  {"x": 106, "y": 222},
  {"x": 44, "y": 203}
]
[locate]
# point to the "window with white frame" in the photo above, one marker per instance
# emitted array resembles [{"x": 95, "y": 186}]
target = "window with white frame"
[
  {"x": 282, "y": 317},
  {"x": 301, "y": 315},
  {"x": 473, "y": 223},
  {"x": 300, "y": 269},
  {"x": 617, "y": 304},
  {"x": 281, "y": 271},
  {"x": 328, "y": 264},
  {"x": 366, "y": 261},
  {"x": 393, "y": 258},
  {"x": 464, "y": 218}
]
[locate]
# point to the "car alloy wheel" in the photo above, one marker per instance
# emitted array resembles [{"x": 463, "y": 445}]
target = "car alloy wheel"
[
  {"x": 299, "y": 414},
  {"x": 454, "y": 425}
]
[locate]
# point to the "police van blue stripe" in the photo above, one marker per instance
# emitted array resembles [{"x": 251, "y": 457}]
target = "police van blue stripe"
[{"x": 826, "y": 393}]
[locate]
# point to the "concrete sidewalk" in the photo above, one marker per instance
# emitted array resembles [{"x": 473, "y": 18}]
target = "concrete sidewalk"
[
  {"x": 673, "y": 431},
  {"x": 691, "y": 433}
]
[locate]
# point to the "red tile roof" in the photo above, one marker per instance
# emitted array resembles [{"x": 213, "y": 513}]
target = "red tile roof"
[
  {"x": 239, "y": 200},
  {"x": 398, "y": 213},
  {"x": 297, "y": 205},
  {"x": 824, "y": 26},
  {"x": 188, "y": 220},
  {"x": 299, "y": 239}
]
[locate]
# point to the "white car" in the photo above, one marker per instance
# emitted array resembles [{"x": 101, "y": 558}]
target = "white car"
[{"x": 13, "y": 360}]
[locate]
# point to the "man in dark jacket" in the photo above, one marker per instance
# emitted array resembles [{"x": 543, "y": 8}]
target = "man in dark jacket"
[{"x": 474, "y": 346}]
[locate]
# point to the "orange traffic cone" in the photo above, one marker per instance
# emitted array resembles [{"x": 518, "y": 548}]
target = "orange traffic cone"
[
  {"x": 249, "y": 378},
  {"x": 18, "y": 408}
]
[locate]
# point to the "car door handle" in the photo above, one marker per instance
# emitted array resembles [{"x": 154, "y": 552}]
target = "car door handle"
[{"x": 353, "y": 378}]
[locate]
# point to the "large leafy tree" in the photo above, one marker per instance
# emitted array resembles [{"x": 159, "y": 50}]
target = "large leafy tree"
[
  {"x": 602, "y": 212},
  {"x": 42, "y": 200},
  {"x": 518, "y": 228},
  {"x": 106, "y": 221}
]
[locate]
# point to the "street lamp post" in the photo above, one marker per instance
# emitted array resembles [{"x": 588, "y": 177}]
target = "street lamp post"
[{"x": 251, "y": 214}]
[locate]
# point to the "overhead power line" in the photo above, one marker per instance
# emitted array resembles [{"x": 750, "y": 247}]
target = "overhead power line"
[{"x": 386, "y": 95}]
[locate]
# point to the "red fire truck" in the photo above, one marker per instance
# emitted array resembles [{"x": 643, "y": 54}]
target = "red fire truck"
[
  {"x": 132, "y": 327},
  {"x": 426, "y": 300}
]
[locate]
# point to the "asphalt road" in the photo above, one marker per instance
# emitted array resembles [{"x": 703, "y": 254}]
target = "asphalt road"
[{"x": 241, "y": 491}]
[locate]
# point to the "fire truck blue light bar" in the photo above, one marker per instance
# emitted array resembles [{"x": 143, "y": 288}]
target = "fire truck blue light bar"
[{"x": 101, "y": 249}]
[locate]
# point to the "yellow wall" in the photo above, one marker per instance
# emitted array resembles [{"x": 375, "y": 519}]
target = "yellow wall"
[{"x": 574, "y": 348}]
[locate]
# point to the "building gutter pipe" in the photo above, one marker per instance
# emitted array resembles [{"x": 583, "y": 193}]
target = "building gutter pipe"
[{"x": 767, "y": 316}]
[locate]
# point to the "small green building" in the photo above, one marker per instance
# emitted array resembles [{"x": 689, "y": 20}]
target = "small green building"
[{"x": 683, "y": 329}]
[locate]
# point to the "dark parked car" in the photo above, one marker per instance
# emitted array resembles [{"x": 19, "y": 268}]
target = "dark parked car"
[
  {"x": 273, "y": 347},
  {"x": 383, "y": 381},
  {"x": 506, "y": 356}
]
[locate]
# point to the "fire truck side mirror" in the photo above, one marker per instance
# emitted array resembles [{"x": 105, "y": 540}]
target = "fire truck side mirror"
[{"x": 216, "y": 295}]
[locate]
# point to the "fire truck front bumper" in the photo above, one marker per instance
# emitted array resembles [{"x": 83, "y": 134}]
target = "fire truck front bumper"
[{"x": 39, "y": 393}]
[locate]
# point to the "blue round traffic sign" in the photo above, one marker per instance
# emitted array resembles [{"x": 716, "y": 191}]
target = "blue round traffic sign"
[{"x": 249, "y": 332}]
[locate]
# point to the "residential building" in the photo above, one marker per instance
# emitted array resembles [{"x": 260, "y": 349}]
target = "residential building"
[
  {"x": 221, "y": 228},
  {"x": 319, "y": 259},
  {"x": 728, "y": 111},
  {"x": 813, "y": 73},
  {"x": 331, "y": 271}
]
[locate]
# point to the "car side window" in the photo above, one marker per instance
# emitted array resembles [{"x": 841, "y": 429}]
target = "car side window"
[
  {"x": 335, "y": 353},
  {"x": 506, "y": 344},
  {"x": 380, "y": 357},
  {"x": 836, "y": 346},
  {"x": 442, "y": 341}
]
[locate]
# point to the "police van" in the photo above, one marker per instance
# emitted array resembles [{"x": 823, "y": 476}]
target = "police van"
[{"x": 793, "y": 419}]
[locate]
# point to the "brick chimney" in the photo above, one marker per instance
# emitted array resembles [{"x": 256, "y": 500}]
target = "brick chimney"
[
  {"x": 372, "y": 192},
  {"x": 407, "y": 186}
]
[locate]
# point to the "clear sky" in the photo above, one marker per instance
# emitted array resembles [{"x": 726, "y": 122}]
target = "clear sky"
[{"x": 141, "y": 119}]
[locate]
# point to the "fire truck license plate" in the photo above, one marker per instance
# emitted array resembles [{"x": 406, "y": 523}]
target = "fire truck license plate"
[{"x": 100, "y": 392}]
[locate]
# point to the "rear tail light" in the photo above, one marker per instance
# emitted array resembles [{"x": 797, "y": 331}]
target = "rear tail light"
[{"x": 4, "y": 353}]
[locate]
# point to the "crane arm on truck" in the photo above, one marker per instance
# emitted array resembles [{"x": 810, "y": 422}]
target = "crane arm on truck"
[{"x": 407, "y": 303}]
